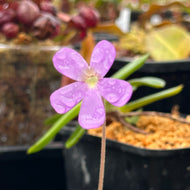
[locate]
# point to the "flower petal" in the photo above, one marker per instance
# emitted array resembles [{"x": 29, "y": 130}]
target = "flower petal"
[
  {"x": 92, "y": 112},
  {"x": 65, "y": 98},
  {"x": 102, "y": 57},
  {"x": 117, "y": 92},
  {"x": 70, "y": 63}
]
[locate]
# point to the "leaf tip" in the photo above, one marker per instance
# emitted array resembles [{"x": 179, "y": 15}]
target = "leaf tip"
[
  {"x": 67, "y": 146},
  {"x": 181, "y": 86},
  {"x": 32, "y": 150},
  {"x": 146, "y": 56},
  {"x": 29, "y": 151}
]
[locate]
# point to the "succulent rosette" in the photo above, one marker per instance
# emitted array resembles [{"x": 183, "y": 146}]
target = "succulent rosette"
[{"x": 90, "y": 85}]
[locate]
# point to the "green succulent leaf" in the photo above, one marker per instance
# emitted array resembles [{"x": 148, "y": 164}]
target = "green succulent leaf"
[
  {"x": 130, "y": 68},
  {"x": 132, "y": 120},
  {"x": 75, "y": 137},
  {"x": 153, "y": 82},
  {"x": 51, "y": 120},
  {"x": 50, "y": 134},
  {"x": 151, "y": 98}
]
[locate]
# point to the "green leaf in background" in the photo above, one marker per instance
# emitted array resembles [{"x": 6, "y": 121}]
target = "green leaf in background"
[
  {"x": 132, "y": 120},
  {"x": 153, "y": 82},
  {"x": 151, "y": 98},
  {"x": 168, "y": 43},
  {"x": 75, "y": 137}
]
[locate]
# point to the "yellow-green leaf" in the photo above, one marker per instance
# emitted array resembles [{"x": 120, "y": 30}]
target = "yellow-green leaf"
[
  {"x": 168, "y": 43},
  {"x": 133, "y": 41}
]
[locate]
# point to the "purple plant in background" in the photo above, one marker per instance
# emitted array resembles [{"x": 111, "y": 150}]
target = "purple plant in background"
[{"x": 90, "y": 84}]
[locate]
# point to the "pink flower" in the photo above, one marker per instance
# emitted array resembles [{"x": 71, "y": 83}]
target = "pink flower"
[{"x": 90, "y": 85}]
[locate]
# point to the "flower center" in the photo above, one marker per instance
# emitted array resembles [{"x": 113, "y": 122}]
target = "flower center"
[
  {"x": 92, "y": 81},
  {"x": 91, "y": 78}
]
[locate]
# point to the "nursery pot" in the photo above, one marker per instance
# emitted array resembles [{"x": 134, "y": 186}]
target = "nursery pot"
[
  {"x": 27, "y": 78},
  {"x": 40, "y": 171},
  {"x": 173, "y": 72},
  {"x": 127, "y": 167}
]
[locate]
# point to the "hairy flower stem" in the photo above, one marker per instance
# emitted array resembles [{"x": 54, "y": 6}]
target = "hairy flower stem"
[{"x": 102, "y": 158}]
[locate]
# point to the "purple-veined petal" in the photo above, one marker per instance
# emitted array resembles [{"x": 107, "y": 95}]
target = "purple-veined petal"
[
  {"x": 70, "y": 63},
  {"x": 65, "y": 98},
  {"x": 102, "y": 57},
  {"x": 92, "y": 112},
  {"x": 117, "y": 92}
]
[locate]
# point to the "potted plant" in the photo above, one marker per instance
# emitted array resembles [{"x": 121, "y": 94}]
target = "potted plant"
[
  {"x": 59, "y": 120},
  {"x": 149, "y": 167},
  {"x": 128, "y": 166}
]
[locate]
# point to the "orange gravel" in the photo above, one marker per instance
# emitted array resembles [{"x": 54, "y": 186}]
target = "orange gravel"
[{"x": 164, "y": 133}]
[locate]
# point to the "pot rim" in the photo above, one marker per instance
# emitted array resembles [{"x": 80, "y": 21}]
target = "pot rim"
[
  {"x": 128, "y": 59},
  {"x": 21, "y": 148},
  {"x": 155, "y": 66}
]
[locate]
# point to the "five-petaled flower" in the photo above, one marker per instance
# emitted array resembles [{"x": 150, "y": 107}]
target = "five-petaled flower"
[{"x": 90, "y": 84}]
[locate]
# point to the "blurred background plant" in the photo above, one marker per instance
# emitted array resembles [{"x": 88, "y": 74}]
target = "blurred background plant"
[
  {"x": 62, "y": 21},
  {"x": 160, "y": 28}
]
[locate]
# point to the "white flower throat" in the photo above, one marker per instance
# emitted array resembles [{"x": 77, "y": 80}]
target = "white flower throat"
[{"x": 91, "y": 78}]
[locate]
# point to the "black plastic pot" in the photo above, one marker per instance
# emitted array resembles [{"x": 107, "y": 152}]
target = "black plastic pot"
[
  {"x": 173, "y": 72},
  {"x": 127, "y": 167},
  {"x": 41, "y": 171}
]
